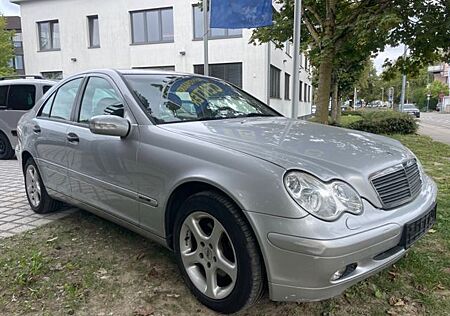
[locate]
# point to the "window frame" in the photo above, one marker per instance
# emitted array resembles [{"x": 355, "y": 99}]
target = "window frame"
[
  {"x": 90, "y": 19},
  {"x": 160, "y": 29},
  {"x": 210, "y": 36},
  {"x": 275, "y": 94},
  {"x": 52, "y": 30}
]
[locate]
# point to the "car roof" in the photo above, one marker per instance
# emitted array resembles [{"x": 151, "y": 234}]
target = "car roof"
[
  {"x": 26, "y": 81},
  {"x": 110, "y": 71}
]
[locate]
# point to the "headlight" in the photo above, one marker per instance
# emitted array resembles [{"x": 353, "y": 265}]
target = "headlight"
[{"x": 326, "y": 201}]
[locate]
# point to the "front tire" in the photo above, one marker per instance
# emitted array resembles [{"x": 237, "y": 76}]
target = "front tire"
[
  {"x": 38, "y": 198},
  {"x": 217, "y": 253},
  {"x": 6, "y": 150}
]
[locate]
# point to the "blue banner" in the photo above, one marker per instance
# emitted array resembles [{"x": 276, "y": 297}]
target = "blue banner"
[{"x": 239, "y": 14}]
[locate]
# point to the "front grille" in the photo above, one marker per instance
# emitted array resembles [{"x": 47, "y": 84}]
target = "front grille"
[{"x": 399, "y": 184}]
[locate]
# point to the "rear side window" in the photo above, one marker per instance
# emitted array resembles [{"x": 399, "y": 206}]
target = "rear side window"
[
  {"x": 3, "y": 94},
  {"x": 45, "y": 112},
  {"x": 65, "y": 100},
  {"x": 21, "y": 97},
  {"x": 45, "y": 89}
]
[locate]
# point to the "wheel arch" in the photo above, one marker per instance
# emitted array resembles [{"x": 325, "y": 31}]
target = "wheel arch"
[
  {"x": 191, "y": 187},
  {"x": 25, "y": 156},
  {"x": 180, "y": 193}
]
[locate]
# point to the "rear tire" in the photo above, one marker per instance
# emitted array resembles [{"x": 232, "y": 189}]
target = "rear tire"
[
  {"x": 38, "y": 198},
  {"x": 6, "y": 150},
  {"x": 212, "y": 241}
]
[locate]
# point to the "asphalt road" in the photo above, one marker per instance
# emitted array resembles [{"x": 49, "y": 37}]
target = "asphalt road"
[{"x": 435, "y": 125}]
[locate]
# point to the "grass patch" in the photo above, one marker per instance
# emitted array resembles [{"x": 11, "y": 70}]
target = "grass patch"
[{"x": 84, "y": 265}]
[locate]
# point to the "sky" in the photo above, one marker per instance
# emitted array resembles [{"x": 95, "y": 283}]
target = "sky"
[
  {"x": 390, "y": 53},
  {"x": 8, "y": 8}
]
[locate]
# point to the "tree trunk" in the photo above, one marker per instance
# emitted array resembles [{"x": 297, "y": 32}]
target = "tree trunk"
[
  {"x": 323, "y": 90},
  {"x": 335, "y": 107}
]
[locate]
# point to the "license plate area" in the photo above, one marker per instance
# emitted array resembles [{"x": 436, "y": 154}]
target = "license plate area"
[{"x": 418, "y": 227}]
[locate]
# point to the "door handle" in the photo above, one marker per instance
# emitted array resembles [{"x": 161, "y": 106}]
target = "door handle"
[
  {"x": 36, "y": 129},
  {"x": 73, "y": 138}
]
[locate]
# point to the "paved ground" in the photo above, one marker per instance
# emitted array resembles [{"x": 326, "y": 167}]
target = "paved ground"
[
  {"x": 15, "y": 213},
  {"x": 435, "y": 125}
]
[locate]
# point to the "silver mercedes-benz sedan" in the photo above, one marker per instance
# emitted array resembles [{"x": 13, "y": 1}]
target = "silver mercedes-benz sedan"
[{"x": 246, "y": 198}]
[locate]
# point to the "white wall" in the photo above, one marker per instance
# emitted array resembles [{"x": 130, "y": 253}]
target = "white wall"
[{"x": 116, "y": 50}]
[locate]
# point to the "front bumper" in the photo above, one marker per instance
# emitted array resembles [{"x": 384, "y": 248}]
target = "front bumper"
[{"x": 301, "y": 255}]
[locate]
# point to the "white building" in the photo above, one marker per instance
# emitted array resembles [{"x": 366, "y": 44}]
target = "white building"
[{"x": 67, "y": 36}]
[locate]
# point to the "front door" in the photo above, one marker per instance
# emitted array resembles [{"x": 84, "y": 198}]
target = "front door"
[{"x": 102, "y": 168}]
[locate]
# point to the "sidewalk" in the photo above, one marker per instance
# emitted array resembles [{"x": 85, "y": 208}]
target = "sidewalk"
[{"x": 16, "y": 215}]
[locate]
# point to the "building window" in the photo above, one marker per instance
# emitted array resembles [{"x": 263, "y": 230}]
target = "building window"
[
  {"x": 305, "y": 89},
  {"x": 152, "y": 26},
  {"x": 275, "y": 82},
  {"x": 231, "y": 72},
  {"x": 213, "y": 33},
  {"x": 94, "y": 31},
  {"x": 52, "y": 75},
  {"x": 17, "y": 40},
  {"x": 288, "y": 47},
  {"x": 287, "y": 87},
  {"x": 18, "y": 62},
  {"x": 300, "y": 91},
  {"x": 49, "y": 35}
]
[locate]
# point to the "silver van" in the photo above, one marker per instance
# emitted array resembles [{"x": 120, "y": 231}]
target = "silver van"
[{"x": 18, "y": 94}]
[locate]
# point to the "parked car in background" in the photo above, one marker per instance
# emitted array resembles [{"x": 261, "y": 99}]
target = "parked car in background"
[
  {"x": 18, "y": 94},
  {"x": 411, "y": 109},
  {"x": 246, "y": 198}
]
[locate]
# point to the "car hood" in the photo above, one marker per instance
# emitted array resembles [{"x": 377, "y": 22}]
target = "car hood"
[{"x": 325, "y": 151}]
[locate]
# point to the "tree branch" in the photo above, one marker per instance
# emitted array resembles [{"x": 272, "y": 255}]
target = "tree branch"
[
  {"x": 316, "y": 15},
  {"x": 312, "y": 30}
]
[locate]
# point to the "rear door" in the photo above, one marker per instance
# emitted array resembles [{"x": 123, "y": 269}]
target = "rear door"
[
  {"x": 50, "y": 135},
  {"x": 102, "y": 168}
]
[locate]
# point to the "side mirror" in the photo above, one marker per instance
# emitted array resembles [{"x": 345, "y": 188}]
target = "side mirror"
[{"x": 109, "y": 125}]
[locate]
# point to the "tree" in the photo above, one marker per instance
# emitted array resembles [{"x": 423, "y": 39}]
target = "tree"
[
  {"x": 6, "y": 48},
  {"x": 342, "y": 34}
]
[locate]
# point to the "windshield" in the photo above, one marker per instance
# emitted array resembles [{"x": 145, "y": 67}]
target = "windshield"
[
  {"x": 179, "y": 98},
  {"x": 409, "y": 106}
]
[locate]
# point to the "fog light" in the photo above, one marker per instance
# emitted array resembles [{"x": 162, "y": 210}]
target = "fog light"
[
  {"x": 338, "y": 274},
  {"x": 343, "y": 272}
]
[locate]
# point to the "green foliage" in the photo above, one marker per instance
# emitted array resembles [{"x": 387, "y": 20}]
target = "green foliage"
[
  {"x": 6, "y": 48},
  {"x": 341, "y": 35},
  {"x": 385, "y": 122}
]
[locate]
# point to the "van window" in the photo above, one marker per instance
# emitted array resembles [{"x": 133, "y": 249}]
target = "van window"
[
  {"x": 45, "y": 89},
  {"x": 3, "y": 94},
  {"x": 21, "y": 97}
]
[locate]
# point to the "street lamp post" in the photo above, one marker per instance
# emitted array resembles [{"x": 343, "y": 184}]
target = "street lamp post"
[
  {"x": 382, "y": 96},
  {"x": 428, "y": 101}
]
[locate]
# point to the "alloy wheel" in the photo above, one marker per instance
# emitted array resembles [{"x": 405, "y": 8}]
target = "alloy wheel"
[
  {"x": 208, "y": 255},
  {"x": 33, "y": 185}
]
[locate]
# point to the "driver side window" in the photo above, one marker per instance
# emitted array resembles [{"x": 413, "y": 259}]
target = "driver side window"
[{"x": 99, "y": 98}]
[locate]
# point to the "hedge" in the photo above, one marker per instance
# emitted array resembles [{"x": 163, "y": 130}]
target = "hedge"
[{"x": 385, "y": 122}]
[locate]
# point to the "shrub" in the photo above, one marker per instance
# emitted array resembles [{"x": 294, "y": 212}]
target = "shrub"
[{"x": 385, "y": 122}]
